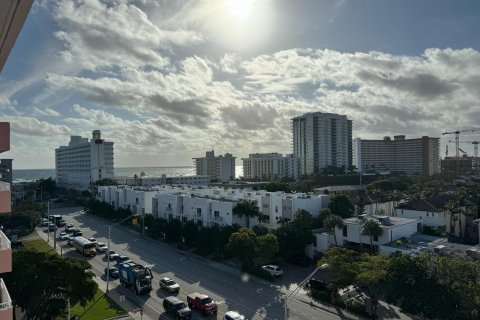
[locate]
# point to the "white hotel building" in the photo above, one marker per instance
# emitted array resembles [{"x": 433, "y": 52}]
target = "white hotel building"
[
  {"x": 220, "y": 168},
  {"x": 210, "y": 206},
  {"x": 83, "y": 162},
  {"x": 271, "y": 165}
]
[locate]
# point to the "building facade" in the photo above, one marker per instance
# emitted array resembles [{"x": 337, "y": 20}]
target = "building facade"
[
  {"x": 266, "y": 166},
  {"x": 410, "y": 156},
  {"x": 322, "y": 140},
  {"x": 83, "y": 162},
  {"x": 158, "y": 181},
  {"x": 220, "y": 168},
  {"x": 6, "y": 306},
  {"x": 6, "y": 170},
  {"x": 210, "y": 206}
]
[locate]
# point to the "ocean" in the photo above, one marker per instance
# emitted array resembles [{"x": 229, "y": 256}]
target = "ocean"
[{"x": 26, "y": 175}]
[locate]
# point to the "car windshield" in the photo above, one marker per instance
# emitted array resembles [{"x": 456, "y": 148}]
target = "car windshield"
[
  {"x": 89, "y": 246},
  {"x": 180, "y": 306},
  {"x": 169, "y": 282},
  {"x": 207, "y": 300},
  {"x": 112, "y": 252}
]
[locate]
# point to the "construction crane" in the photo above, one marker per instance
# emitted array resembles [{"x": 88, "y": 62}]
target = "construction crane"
[
  {"x": 475, "y": 146},
  {"x": 464, "y": 153},
  {"x": 457, "y": 138}
]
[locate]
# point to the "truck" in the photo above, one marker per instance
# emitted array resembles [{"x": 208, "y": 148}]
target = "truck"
[
  {"x": 136, "y": 277},
  {"x": 202, "y": 303}
]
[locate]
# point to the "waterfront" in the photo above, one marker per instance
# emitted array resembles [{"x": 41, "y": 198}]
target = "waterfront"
[{"x": 25, "y": 175}]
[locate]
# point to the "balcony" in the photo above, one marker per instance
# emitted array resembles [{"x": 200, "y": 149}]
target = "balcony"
[
  {"x": 5, "y": 198},
  {"x": 6, "y": 306},
  {"x": 216, "y": 218},
  {"x": 5, "y": 254}
]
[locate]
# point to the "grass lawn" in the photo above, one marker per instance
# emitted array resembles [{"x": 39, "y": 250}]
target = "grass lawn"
[{"x": 101, "y": 307}]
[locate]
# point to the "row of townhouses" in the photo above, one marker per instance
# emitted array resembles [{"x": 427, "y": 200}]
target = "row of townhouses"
[{"x": 210, "y": 206}]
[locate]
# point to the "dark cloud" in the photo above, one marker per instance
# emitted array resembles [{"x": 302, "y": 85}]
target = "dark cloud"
[
  {"x": 250, "y": 117},
  {"x": 422, "y": 85}
]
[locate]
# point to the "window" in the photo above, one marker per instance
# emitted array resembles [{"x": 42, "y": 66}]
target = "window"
[
  {"x": 216, "y": 214},
  {"x": 345, "y": 232},
  {"x": 184, "y": 219},
  {"x": 433, "y": 214},
  {"x": 427, "y": 214}
]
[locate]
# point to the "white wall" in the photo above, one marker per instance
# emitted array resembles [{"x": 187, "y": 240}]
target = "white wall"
[{"x": 432, "y": 219}]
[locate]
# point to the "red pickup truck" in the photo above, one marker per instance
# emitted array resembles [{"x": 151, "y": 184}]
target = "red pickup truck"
[{"x": 202, "y": 302}]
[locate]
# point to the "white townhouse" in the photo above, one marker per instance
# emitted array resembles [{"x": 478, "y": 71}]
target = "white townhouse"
[
  {"x": 393, "y": 228},
  {"x": 431, "y": 211},
  {"x": 211, "y": 206}
]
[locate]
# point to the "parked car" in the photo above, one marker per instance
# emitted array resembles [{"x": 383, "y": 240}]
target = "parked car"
[
  {"x": 77, "y": 233},
  {"x": 101, "y": 247},
  {"x": 69, "y": 228},
  {"x": 44, "y": 222},
  {"x": 113, "y": 255},
  {"x": 176, "y": 308},
  {"x": 92, "y": 240},
  {"x": 169, "y": 285},
  {"x": 113, "y": 272},
  {"x": 52, "y": 227},
  {"x": 273, "y": 270},
  {"x": 233, "y": 315}
]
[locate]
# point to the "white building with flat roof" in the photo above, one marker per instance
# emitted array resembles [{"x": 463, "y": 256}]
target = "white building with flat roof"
[
  {"x": 210, "y": 206},
  {"x": 322, "y": 140},
  {"x": 393, "y": 228},
  {"x": 83, "y": 162},
  {"x": 265, "y": 166},
  {"x": 158, "y": 181},
  {"x": 218, "y": 168}
]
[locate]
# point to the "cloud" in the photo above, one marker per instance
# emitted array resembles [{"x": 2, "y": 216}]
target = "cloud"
[
  {"x": 30, "y": 126},
  {"x": 250, "y": 116},
  {"x": 98, "y": 34},
  {"x": 48, "y": 112}
]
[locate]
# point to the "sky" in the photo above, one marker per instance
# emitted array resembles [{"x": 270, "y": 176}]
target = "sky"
[{"x": 169, "y": 80}]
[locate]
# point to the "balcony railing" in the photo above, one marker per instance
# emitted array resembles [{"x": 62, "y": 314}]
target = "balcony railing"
[
  {"x": 216, "y": 218},
  {"x": 5, "y": 254},
  {"x": 6, "y": 306}
]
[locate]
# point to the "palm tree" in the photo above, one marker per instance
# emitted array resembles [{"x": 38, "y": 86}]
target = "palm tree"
[
  {"x": 247, "y": 208},
  {"x": 331, "y": 222},
  {"x": 372, "y": 229}
]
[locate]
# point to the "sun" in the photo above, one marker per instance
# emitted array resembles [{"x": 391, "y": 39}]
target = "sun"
[{"x": 241, "y": 9}]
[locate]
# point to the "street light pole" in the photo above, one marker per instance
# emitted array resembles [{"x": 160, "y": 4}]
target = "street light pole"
[
  {"x": 108, "y": 245},
  {"x": 292, "y": 294},
  {"x": 48, "y": 218}
]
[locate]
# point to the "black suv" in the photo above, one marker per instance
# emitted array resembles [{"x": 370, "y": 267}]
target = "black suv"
[{"x": 177, "y": 308}]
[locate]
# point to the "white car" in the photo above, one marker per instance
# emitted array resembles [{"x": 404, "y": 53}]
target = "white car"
[
  {"x": 233, "y": 315},
  {"x": 113, "y": 255},
  {"x": 64, "y": 236},
  {"x": 273, "y": 270},
  {"x": 102, "y": 247},
  {"x": 169, "y": 285}
]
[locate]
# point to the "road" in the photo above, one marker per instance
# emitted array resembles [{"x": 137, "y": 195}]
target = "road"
[{"x": 253, "y": 297}]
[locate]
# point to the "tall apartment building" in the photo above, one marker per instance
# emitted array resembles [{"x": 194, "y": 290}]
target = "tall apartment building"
[
  {"x": 220, "y": 168},
  {"x": 83, "y": 162},
  {"x": 6, "y": 307},
  {"x": 410, "y": 156},
  {"x": 322, "y": 140},
  {"x": 271, "y": 165}
]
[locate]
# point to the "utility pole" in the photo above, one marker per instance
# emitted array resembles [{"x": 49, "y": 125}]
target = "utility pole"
[{"x": 48, "y": 217}]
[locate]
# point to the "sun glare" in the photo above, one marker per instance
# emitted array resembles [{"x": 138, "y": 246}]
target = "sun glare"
[{"x": 241, "y": 9}]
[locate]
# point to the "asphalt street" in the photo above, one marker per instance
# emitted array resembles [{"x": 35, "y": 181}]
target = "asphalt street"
[{"x": 251, "y": 296}]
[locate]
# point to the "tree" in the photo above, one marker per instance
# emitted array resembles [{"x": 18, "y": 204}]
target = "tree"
[
  {"x": 106, "y": 182},
  {"x": 190, "y": 232},
  {"x": 41, "y": 282},
  {"x": 372, "y": 229},
  {"x": 277, "y": 186},
  {"x": 331, "y": 222},
  {"x": 267, "y": 248},
  {"x": 248, "y": 209},
  {"x": 341, "y": 206},
  {"x": 294, "y": 235},
  {"x": 173, "y": 231},
  {"x": 371, "y": 275},
  {"x": 243, "y": 244}
]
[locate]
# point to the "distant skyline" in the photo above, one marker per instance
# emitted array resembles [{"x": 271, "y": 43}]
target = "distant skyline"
[{"x": 169, "y": 80}]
